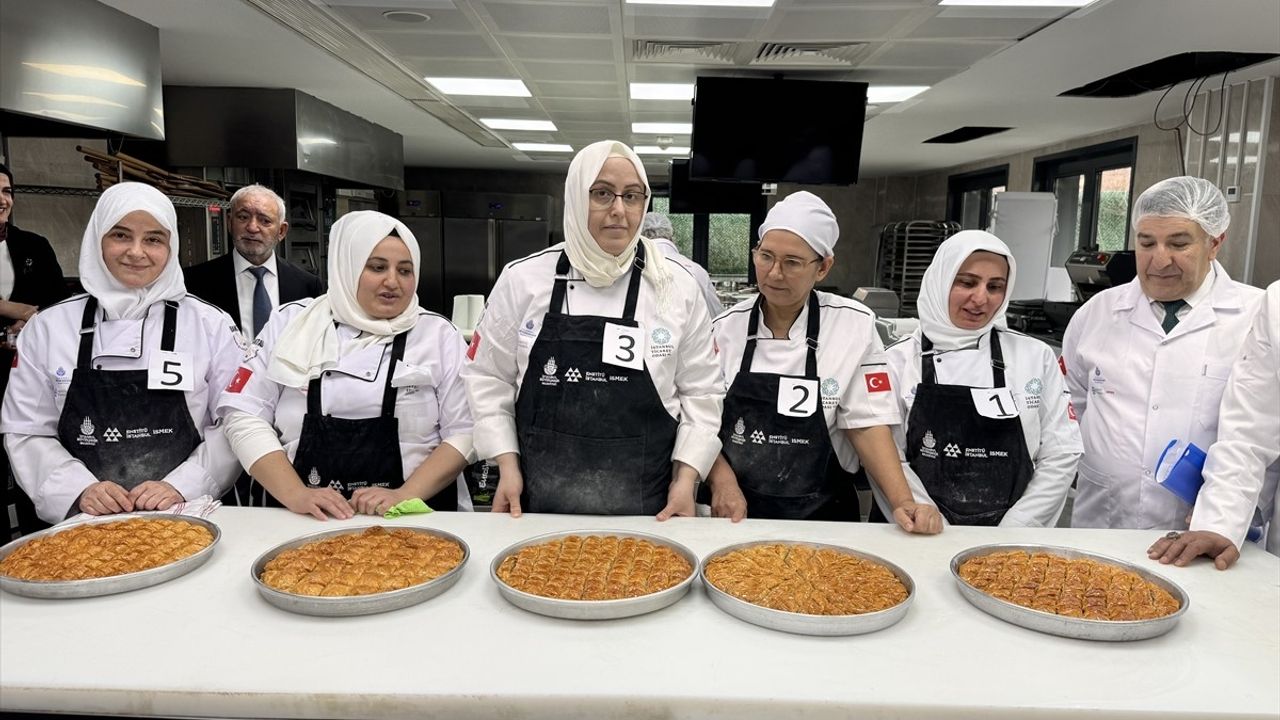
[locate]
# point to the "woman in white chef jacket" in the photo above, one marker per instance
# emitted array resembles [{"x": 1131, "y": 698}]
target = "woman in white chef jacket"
[
  {"x": 593, "y": 379},
  {"x": 110, "y": 404},
  {"x": 989, "y": 436},
  {"x": 353, "y": 402},
  {"x": 806, "y": 375}
]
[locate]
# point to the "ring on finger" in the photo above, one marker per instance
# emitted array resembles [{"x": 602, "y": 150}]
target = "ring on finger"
[{"x": 1172, "y": 535}]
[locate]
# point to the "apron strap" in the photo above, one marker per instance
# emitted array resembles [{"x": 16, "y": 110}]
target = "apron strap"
[
  {"x": 810, "y": 337},
  {"x": 389, "y": 393},
  {"x": 562, "y": 282},
  {"x": 85, "y": 358},
  {"x": 170, "y": 327},
  {"x": 997, "y": 360}
]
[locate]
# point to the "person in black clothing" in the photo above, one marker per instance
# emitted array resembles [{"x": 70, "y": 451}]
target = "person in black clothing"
[{"x": 30, "y": 279}]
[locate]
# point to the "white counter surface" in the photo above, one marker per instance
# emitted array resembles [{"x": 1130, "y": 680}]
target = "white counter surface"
[{"x": 207, "y": 645}]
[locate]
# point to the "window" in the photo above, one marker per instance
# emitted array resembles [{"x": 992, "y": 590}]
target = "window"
[
  {"x": 1093, "y": 186},
  {"x": 971, "y": 196},
  {"x": 726, "y": 238}
]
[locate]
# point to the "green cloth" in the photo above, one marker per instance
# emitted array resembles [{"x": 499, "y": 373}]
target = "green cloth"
[{"x": 413, "y": 506}]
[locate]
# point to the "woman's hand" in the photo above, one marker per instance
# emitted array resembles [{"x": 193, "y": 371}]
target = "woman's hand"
[
  {"x": 506, "y": 498},
  {"x": 319, "y": 503},
  {"x": 17, "y": 310},
  {"x": 680, "y": 496},
  {"x": 918, "y": 518},
  {"x": 377, "y": 500},
  {"x": 727, "y": 499},
  {"x": 105, "y": 498},
  {"x": 154, "y": 495}
]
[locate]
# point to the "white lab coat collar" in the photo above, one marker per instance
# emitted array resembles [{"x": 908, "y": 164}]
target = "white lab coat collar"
[{"x": 1222, "y": 295}]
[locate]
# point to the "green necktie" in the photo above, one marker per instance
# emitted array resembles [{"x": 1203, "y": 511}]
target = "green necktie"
[{"x": 1171, "y": 309}]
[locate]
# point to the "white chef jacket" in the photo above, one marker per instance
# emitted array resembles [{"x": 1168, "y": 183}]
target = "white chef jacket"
[
  {"x": 1135, "y": 389},
  {"x": 850, "y": 355},
  {"x": 699, "y": 273},
  {"x": 1034, "y": 376},
  {"x": 47, "y": 351},
  {"x": 431, "y": 405},
  {"x": 679, "y": 358},
  {"x": 246, "y": 283},
  {"x": 1236, "y": 473}
]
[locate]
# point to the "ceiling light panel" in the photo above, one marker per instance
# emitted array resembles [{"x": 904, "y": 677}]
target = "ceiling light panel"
[
  {"x": 541, "y": 147},
  {"x": 661, "y": 91},
  {"x": 493, "y": 87},
  {"x": 518, "y": 124},
  {"x": 893, "y": 93},
  {"x": 662, "y": 128},
  {"x": 656, "y": 150}
]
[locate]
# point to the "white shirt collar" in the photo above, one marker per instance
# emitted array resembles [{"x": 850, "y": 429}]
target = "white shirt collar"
[
  {"x": 1196, "y": 298},
  {"x": 241, "y": 264}
]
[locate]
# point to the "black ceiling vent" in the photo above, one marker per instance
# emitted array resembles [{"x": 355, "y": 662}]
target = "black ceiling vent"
[
  {"x": 1166, "y": 72},
  {"x": 966, "y": 133}
]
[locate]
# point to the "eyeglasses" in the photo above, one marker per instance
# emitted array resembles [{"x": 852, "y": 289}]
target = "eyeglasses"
[
  {"x": 604, "y": 197},
  {"x": 791, "y": 265}
]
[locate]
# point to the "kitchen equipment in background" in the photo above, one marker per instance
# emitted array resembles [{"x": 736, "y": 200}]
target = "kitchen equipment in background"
[
  {"x": 485, "y": 231},
  {"x": 906, "y": 249},
  {"x": 420, "y": 212},
  {"x": 881, "y": 301},
  {"x": 1092, "y": 271},
  {"x": 1026, "y": 222}
]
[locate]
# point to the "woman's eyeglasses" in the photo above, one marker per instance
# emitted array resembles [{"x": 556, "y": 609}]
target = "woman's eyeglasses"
[
  {"x": 791, "y": 265},
  {"x": 604, "y": 197}
]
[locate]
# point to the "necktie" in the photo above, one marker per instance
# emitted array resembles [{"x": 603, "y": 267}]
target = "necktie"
[
  {"x": 1171, "y": 309},
  {"x": 261, "y": 300}
]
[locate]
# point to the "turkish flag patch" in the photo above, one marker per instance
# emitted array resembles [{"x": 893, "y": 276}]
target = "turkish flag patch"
[
  {"x": 15, "y": 361},
  {"x": 239, "y": 380},
  {"x": 474, "y": 346},
  {"x": 1071, "y": 410},
  {"x": 877, "y": 382},
  {"x": 1062, "y": 365}
]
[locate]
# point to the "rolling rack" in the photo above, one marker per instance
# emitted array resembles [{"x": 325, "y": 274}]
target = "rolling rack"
[{"x": 906, "y": 249}]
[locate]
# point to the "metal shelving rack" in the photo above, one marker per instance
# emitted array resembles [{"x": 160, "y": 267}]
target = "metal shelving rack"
[
  {"x": 178, "y": 200},
  {"x": 906, "y": 249}
]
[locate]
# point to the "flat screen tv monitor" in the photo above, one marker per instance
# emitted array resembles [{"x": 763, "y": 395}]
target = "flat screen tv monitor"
[
  {"x": 777, "y": 130},
  {"x": 711, "y": 196}
]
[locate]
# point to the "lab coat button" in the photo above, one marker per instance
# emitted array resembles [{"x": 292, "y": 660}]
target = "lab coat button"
[{"x": 1155, "y": 407}]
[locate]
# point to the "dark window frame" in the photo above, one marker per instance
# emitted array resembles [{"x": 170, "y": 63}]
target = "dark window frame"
[
  {"x": 984, "y": 179},
  {"x": 1090, "y": 162}
]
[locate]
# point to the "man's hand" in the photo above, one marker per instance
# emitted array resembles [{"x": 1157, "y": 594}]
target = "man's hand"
[
  {"x": 1181, "y": 548},
  {"x": 918, "y": 518}
]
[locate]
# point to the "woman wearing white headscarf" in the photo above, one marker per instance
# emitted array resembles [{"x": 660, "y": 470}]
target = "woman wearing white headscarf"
[
  {"x": 593, "y": 379},
  {"x": 352, "y": 402},
  {"x": 807, "y": 387},
  {"x": 110, "y": 403},
  {"x": 989, "y": 437}
]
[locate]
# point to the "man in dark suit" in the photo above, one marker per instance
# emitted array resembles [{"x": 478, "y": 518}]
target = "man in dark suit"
[
  {"x": 30, "y": 279},
  {"x": 252, "y": 281}
]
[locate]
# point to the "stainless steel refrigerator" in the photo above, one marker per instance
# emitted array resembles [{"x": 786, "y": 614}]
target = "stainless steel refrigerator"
[{"x": 485, "y": 231}]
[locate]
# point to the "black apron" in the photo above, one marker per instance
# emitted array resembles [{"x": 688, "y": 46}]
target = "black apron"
[
  {"x": 782, "y": 462},
  {"x": 973, "y": 467},
  {"x": 347, "y": 454},
  {"x": 595, "y": 438},
  {"x": 121, "y": 430}
]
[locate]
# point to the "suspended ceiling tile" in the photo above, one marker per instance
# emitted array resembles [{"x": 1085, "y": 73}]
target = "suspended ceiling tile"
[
  {"x": 440, "y": 19},
  {"x": 531, "y": 47},
  {"x": 447, "y": 67},
  {"x": 951, "y": 27},
  {"x": 549, "y": 18},
  {"x": 846, "y": 23},
  {"x": 440, "y": 45},
  {"x": 670, "y": 27},
  {"x": 581, "y": 104},
  {"x": 577, "y": 90},
  {"x": 923, "y": 53},
  {"x": 661, "y": 73},
  {"x": 570, "y": 71}
]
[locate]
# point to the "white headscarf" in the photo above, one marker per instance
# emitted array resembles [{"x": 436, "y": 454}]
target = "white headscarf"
[
  {"x": 309, "y": 343},
  {"x": 120, "y": 301},
  {"x": 804, "y": 214},
  {"x": 935, "y": 289},
  {"x": 599, "y": 268}
]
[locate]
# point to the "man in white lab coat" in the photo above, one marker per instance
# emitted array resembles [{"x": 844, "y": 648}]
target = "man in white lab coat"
[
  {"x": 1147, "y": 362},
  {"x": 1236, "y": 474}
]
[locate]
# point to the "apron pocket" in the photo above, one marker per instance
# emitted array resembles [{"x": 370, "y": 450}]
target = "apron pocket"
[{"x": 574, "y": 474}]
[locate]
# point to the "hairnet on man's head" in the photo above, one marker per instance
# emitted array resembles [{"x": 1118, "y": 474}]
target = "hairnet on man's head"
[
  {"x": 657, "y": 225},
  {"x": 1185, "y": 197}
]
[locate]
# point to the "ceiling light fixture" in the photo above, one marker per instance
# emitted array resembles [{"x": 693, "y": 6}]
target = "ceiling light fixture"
[
  {"x": 656, "y": 150},
  {"x": 893, "y": 93},
  {"x": 541, "y": 147},
  {"x": 661, "y": 91},
  {"x": 662, "y": 128},
  {"x": 495, "y": 87},
  {"x": 1019, "y": 3},
  {"x": 406, "y": 16},
  {"x": 711, "y": 3},
  {"x": 517, "y": 124}
]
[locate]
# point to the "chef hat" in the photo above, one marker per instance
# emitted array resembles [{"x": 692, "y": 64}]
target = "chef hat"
[
  {"x": 804, "y": 214},
  {"x": 1185, "y": 197},
  {"x": 656, "y": 225}
]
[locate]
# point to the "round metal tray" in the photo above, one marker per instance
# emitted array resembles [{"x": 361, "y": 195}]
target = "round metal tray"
[
  {"x": 802, "y": 623},
  {"x": 355, "y": 604},
  {"x": 94, "y": 587},
  {"x": 594, "y": 609},
  {"x": 1079, "y": 628}
]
